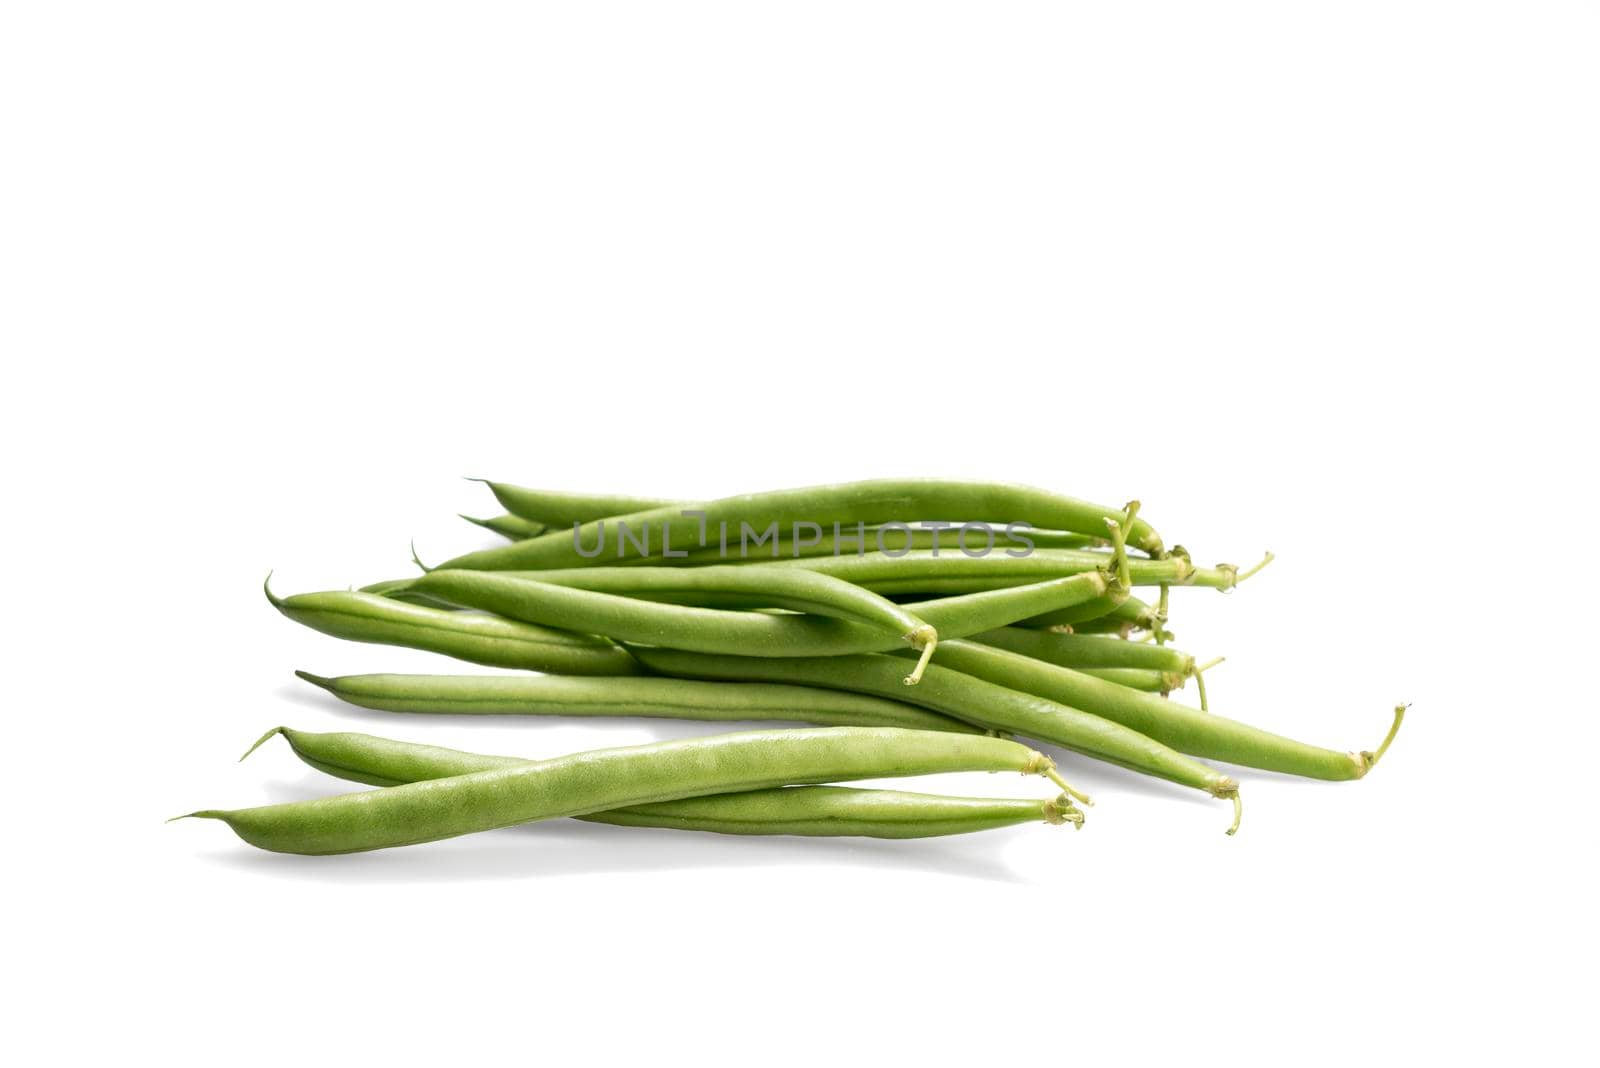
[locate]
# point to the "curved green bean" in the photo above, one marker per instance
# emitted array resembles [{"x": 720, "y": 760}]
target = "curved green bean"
[
  {"x": 561, "y": 695},
  {"x": 954, "y": 573},
  {"x": 996, "y": 707},
  {"x": 1087, "y": 650},
  {"x": 709, "y": 630},
  {"x": 743, "y": 633},
  {"x": 1185, "y": 729},
  {"x": 605, "y": 779},
  {"x": 878, "y": 501},
  {"x": 470, "y": 636},
  {"x": 555, "y": 508},
  {"x": 800, "y": 810}
]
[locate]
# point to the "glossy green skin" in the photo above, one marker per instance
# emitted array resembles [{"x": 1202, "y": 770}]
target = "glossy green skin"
[
  {"x": 1087, "y": 650},
  {"x": 513, "y": 527},
  {"x": 479, "y": 639},
  {"x": 1188, "y": 730},
  {"x": 606, "y": 779},
  {"x": 562, "y": 695},
  {"x": 711, "y": 630},
  {"x": 962, "y": 696},
  {"x": 876, "y": 501},
  {"x": 955, "y": 573},
  {"x": 800, "y": 810}
]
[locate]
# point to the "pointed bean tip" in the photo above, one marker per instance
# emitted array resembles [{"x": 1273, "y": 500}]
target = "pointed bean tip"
[
  {"x": 262, "y": 740},
  {"x": 315, "y": 680},
  {"x": 266, "y": 587}
]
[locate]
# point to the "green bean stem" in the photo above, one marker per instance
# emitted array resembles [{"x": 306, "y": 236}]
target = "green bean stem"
[
  {"x": 801, "y": 810},
  {"x": 470, "y": 636},
  {"x": 879, "y": 501},
  {"x": 562, "y": 695},
  {"x": 605, "y": 779}
]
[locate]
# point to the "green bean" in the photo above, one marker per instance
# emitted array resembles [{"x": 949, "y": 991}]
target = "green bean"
[
  {"x": 513, "y": 527},
  {"x": 554, "y": 508},
  {"x": 955, "y": 573},
  {"x": 1185, "y": 729},
  {"x": 709, "y": 630},
  {"x": 561, "y": 695},
  {"x": 745, "y": 633},
  {"x": 605, "y": 779},
  {"x": 719, "y": 587},
  {"x": 470, "y": 636},
  {"x": 1142, "y": 679},
  {"x": 855, "y": 541},
  {"x": 801, "y": 810},
  {"x": 962, "y": 696},
  {"x": 669, "y": 530},
  {"x": 1087, "y": 650},
  {"x": 1106, "y": 615}
]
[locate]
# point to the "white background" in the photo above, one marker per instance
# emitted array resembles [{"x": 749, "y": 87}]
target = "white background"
[{"x": 1318, "y": 281}]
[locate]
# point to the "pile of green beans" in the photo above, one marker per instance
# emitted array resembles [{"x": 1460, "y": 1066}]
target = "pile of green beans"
[{"x": 864, "y": 621}]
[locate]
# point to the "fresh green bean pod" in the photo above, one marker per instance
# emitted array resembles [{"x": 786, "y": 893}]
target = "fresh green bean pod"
[
  {"x": 721, "y": 587},
  {"x": 848, "y": 543},
  {"x": 996, "y": 707},
  {"x": 1087, "y": 650},
  {"x": 605, "y": 779},
  {"x": 811, "y": 811},
  {"x": 554, "y": 508},
  {"x": 511, "y": 527},
  {"x": 731, "y": 587},
  {"x": 880, "y": 501},
  {"x": 704, "y": 629},
  {"x": 1141, "y": 679},
  {"x": 1111, "y": 614},
  {"x": 743, "y": 633},
  {"x": 561, "y": 695},
  {"x": 1185, "y": 729},
  {"x": 955, "y": 573},
  {"x": 470, "y": 636}
]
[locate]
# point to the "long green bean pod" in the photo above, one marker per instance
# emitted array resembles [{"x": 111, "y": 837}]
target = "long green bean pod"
[
  {"x": 604, "y": 779},
  {"x": 811, "y": 811},
  {"x": 743, "y": 633},
  {"x": 1086, "y": 650},
  {"x": 1141, "y": 679},
  {"x": 1185, "y": 729},
  {"x": 996, "y": 707},
  {"x": 558, "y": 509},
  {"x": 470, "y": 636},
  {"x": 669, "y": 530},
  {"x": 954, "y": 573},
  {"x": 564, "y": 695}
]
